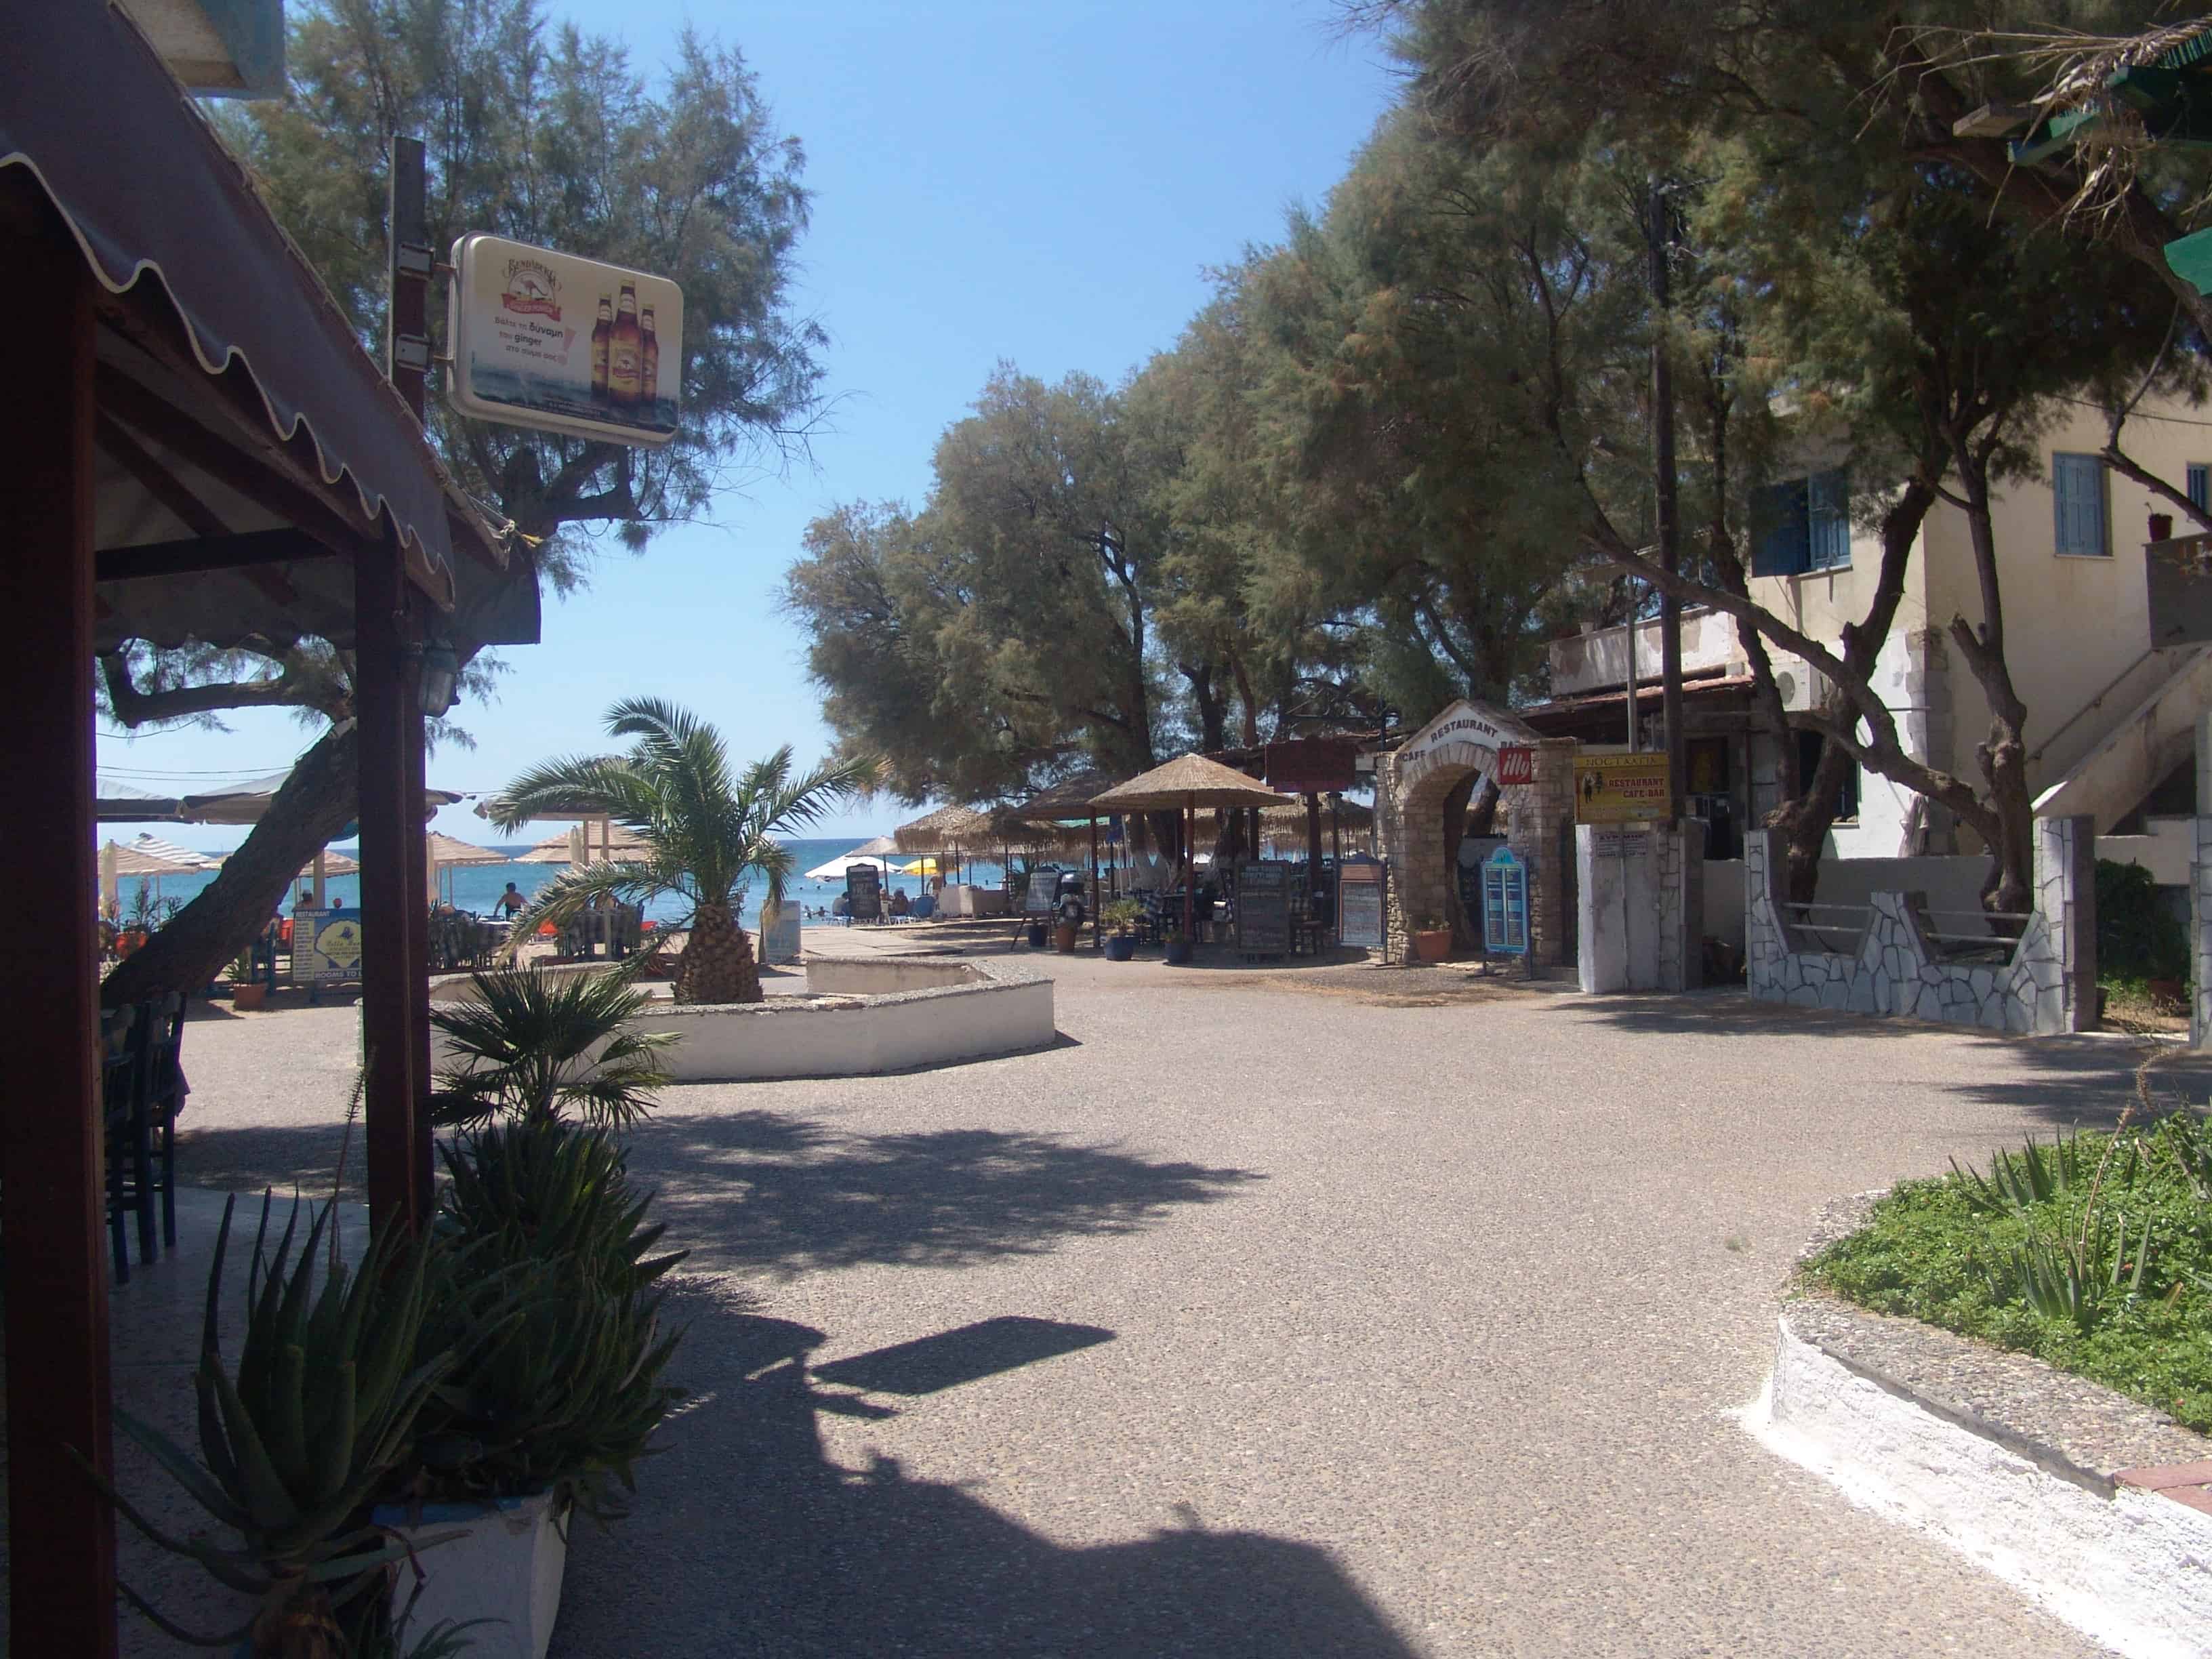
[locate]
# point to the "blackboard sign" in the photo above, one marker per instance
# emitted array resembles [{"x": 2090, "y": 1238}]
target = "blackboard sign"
[
  {"x": 1043, "y": 889},
  {"x": 1359, "y": 906},
  {"x": 864, "y": 891},
  {"x": 1263, "y": 909}
]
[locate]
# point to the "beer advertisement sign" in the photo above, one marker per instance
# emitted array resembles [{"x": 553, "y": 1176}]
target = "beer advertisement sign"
[
  {"x": 1620, "y": 788},
  {"x": 548, "y": 340}
]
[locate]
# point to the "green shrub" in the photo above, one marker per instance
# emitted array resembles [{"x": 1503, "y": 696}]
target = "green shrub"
[
  {"x": 536, "y": 1046},
  {"x": 2093, "y": 1253},
  {"x": 2137, "y": 937},
  {"x": 554, "y": 1273}
]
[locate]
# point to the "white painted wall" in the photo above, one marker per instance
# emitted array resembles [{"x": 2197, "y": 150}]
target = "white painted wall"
[
  {"x": 1953, "y": 885},
  {"x": 2127, "y": 1571}
]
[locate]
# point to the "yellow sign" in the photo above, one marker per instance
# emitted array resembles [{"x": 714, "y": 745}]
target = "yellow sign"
[
  {"x": 325, "y": 946},
  {"x": 1620, "y": 788}
]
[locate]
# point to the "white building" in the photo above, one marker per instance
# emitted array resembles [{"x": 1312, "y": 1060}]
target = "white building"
[{"x": 2111, "y": 708}]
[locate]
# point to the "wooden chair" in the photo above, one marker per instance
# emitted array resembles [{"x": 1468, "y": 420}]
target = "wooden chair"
[
  {"x": 166, "y": 1089},
  {"x": 119, "y": 1064}
]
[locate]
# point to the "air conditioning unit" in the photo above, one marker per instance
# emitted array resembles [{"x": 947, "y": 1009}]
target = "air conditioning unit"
[{"x": 1803, "y": 690}]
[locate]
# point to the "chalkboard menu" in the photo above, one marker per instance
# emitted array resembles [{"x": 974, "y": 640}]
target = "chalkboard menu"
[
  {"x": 863, "y": 890},
  {"x": 1042, "y": 890},
  {"x": 1359, "y": 906},
  {"x": 1263, "y": 909}
]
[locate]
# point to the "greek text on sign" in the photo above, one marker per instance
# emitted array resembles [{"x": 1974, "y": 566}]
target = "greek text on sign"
[
  {"x": 1620, "y": 788},
  {"x": 546, "y": 339},
  {"x": 1516, "y": 764}
]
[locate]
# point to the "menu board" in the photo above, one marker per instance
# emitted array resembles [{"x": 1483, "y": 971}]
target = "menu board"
[
  {"x": 864, "y": 893},
  {"x": 325, "y": 946},
  {"x": 1263, "y": 909},
  {"x": 1359, "y": 906}
]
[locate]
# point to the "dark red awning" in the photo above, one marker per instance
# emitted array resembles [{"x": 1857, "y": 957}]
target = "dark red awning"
[{"x": 145, "y": 185}]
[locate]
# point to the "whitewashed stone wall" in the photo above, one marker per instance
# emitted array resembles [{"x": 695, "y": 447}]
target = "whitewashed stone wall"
[
  {"x": 2047, "y": 986},
  {"x": 2200, "y": 933}
]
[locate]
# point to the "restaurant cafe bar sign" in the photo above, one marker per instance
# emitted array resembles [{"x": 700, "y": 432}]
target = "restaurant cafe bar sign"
[
  {"x": 1620, "y": 788},
  {"x": 548, "y": 340}
]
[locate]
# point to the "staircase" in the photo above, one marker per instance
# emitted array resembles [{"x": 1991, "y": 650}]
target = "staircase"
[{"x": 2114, "y": 773}]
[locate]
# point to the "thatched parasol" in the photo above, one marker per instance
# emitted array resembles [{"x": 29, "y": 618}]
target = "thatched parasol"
[
  {"x": 560, "y": 849},
  {"x": 949, "y": 828},
  {"x": 1184, "y": 785}
]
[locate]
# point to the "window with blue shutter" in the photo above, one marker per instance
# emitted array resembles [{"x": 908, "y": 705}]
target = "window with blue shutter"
[
  {"x": 1779, "y": 530},
  {"x": 2200, "y": 486},
  {"x": 1828, "y": 537},
  {"x": 2077, "y": 504}
]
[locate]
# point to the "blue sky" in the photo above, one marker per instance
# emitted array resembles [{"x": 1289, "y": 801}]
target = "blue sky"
[{"x": 1042, "y": 183}]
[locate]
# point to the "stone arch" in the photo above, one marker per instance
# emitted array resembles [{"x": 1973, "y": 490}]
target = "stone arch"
[{"x": 1411, "y": 786}]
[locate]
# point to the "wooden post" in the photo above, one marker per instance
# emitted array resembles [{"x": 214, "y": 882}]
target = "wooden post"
[
  {"x": 415, "y": 852},
  {"x": 1097, "y": 902},
  {"x": 1313, "y": 837},
  {"x": 1189, "y": 869},
  {"x": 407, "y": 331},
  {"x": 61, "y": 1537},
  {"x": 391, "y": 847}
]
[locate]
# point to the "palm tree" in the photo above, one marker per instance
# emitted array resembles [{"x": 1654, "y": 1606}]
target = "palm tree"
[
  {"x": 534, "y": 1048},
  {"x": 704, "y": 829}
]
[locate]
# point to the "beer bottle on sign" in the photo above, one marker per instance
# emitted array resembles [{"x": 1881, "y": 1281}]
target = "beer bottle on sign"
[
  {"x": 648, "y": 359},
  {"x": 622, "y": 353},
  {"x": 602, "y": 333}
]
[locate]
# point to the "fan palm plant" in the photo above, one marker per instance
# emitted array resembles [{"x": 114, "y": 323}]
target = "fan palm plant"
[
  {"x": 705, "y": 827},
  {"x": 534, "y": 1047}
]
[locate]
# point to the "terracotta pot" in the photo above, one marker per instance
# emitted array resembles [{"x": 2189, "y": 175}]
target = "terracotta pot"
[
  {"x": 1431, "y": 944},
  {"x": 1063, "y": 938},
  {"x": 249, "y": 996},
  {"x": 2166, "y": 993}
]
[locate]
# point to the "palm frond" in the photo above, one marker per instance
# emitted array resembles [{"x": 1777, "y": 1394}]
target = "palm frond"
[{"x": 553, "y": 787}]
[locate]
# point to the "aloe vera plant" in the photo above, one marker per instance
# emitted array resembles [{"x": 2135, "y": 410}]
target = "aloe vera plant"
[
  {"x": 567, "y": 1395},
  {"x": 2070, "y": 1279},
  {"x": 294, "y": 1447},
  {"x": 2034, "y": 1175}
]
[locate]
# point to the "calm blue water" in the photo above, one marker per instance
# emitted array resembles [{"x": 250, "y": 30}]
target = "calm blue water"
[{"x": 476, "y": 887}]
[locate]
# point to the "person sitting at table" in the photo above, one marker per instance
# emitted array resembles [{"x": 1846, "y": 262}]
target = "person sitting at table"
[
  {"x": 901, "y": 906},
  {"x": 844, "y": 906}
]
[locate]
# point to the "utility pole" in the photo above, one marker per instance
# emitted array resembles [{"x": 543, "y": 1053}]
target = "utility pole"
[
  {"x": 407, "y": 330},
  {"x": 1657, "y": 225}
]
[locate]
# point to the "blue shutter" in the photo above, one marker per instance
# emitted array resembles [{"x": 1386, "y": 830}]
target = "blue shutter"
[
  {"x": 1828, "y": 539},
  {"x": 2200, "y": 486},
  {"x": 2077, "y": 501},
  {"x": 1778, "y": 539}
]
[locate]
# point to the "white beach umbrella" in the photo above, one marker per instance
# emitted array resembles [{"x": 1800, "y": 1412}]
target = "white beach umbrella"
[{"x": 835, "y": 869}]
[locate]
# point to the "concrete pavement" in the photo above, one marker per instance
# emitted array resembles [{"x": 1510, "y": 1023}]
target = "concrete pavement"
[{"x": 1265, "y": 1315}]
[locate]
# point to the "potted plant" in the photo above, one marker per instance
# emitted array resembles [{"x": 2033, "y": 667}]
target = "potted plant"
[
  {"x": 1431, "y": 940},
  {"x": 1121, "y": 916},
  {"x": 1177, "y": 946},
  {"x": 555, "y": 1407},
  {"x": 246, "y": 993},
  {"x": 323, "y": 1408}
]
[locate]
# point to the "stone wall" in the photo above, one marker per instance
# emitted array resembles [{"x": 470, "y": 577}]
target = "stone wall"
[
  {"x": 1639, "y": 889},
  {"x": 1410, "y": 787},
  {"x": 2047, "y": 985}
]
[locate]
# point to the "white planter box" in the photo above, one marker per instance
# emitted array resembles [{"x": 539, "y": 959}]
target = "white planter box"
[{"x": 506, "y": 1568}]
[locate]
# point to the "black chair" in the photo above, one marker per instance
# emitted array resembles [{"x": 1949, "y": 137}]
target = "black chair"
[
  {"x": 121, "y": 1056},
  {"x": 166, "y": 1089}
]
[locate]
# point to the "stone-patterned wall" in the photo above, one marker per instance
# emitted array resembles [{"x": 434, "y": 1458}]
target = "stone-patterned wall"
[
  {"x": 1679, "y": 857},
  {"x": 2047, "y": 986}
]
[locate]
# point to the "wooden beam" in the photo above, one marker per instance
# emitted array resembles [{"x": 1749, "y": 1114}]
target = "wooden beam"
[
  {"x": 391, "y": 839},
  {"x": 163, "y": 485},
  {"x": 197, "y": 553},
  {"x": 61, "y": 1538},
  {"x": 216, "y": 456}
]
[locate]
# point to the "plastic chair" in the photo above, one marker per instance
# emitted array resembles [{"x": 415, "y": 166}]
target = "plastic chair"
[{"x": 166, "y": 1089}]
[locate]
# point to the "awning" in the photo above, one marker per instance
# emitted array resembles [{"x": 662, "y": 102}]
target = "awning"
[{"x": 148, "y": 190}]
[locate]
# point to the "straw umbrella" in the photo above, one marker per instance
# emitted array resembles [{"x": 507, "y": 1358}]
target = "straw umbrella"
[
  {"x": 445, "y": 852},
  {"x": 948, "y": 829},
  {"x": 1185, "y": 784}
]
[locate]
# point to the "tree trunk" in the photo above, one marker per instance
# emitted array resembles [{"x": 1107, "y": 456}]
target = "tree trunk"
[
  {"x": 717, "y": 965},
  {"x": 316, "y": 802},
  {"x": 2003, "y": 756},
  {"x": 1213, "y": 708},
  {"x": 1805, "y": 820}
]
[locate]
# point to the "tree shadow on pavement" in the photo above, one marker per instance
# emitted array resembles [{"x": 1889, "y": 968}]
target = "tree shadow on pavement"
[
  {"x": 747, "y": 1540},
  {"x": 756, "y": 1190}
]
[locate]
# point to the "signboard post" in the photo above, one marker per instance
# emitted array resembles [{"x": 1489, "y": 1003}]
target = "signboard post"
[
  {"x": 1620, "y": 788},
  {"x": 545, "y": 339},
  {"x": 1360, "y": 887},
  {"x": 864, "y": 893},
  {"x": 1263, "y": 909},
  {"x": 779, "y": 932}
]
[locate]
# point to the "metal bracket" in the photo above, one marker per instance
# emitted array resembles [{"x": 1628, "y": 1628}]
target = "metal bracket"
[
  {"x": 414, "y": 258},
  {"x": 410, "y": 351}
]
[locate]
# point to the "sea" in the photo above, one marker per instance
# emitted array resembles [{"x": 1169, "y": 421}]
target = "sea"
[{"x": 476, "y": 887}]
